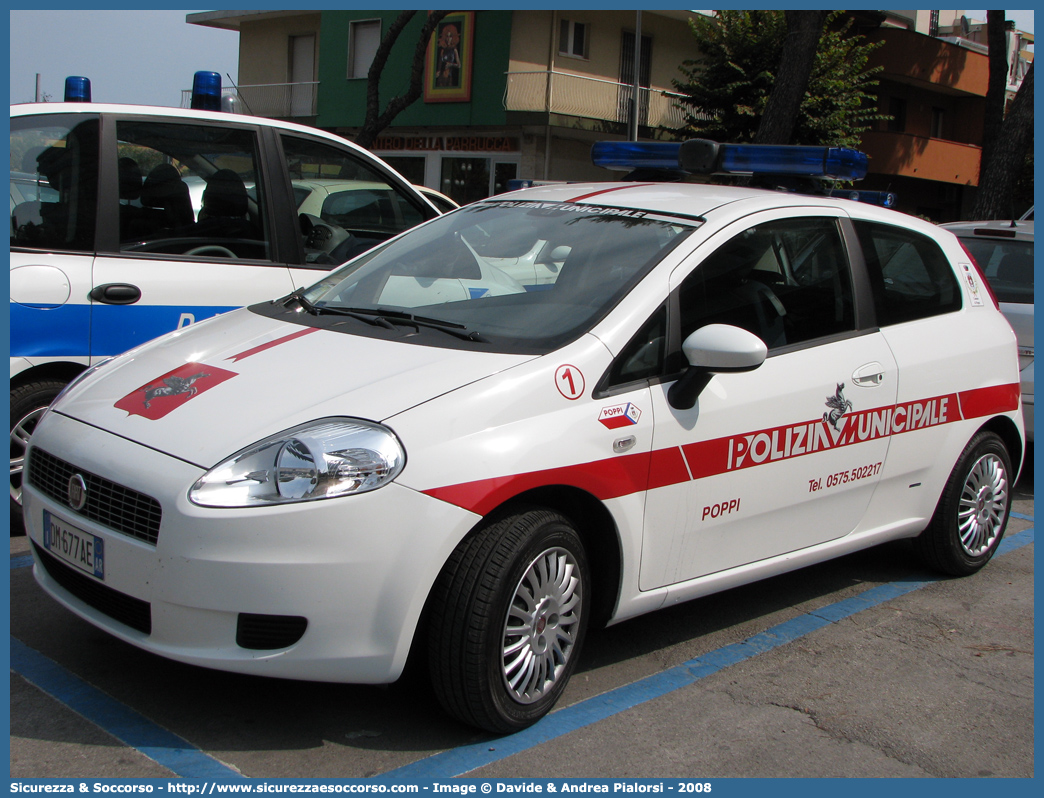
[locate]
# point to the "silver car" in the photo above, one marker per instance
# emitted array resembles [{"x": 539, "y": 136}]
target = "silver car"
[{"x": 1004, "y": 250}]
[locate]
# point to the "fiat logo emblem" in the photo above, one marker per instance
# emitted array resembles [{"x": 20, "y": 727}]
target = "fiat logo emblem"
[{"x": 77, "y": 492}]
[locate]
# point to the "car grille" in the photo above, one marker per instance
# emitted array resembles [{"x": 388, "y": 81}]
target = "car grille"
[
  {"x": 109, "y": 504},
  {"x": 129, "y": 611}
]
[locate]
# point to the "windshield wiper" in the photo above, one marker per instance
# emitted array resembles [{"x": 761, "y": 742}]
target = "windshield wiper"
[
  {"x": 388, "y": 318},
  {"x": 374, "y": 319}
]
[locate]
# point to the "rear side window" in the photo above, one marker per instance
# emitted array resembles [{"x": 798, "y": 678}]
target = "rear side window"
[
  {"x": 54, "y": 182},
  {"x": 191, "y": 190},
  {"x": 910, "y": 275}
]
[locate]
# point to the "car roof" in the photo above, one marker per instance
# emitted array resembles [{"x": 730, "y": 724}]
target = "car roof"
[
  {"x": 29, "y": 109},
  {"x": 702, "y": 200}
]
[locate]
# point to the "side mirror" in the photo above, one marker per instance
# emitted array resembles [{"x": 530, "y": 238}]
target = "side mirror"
[{"x": 710, "y": 350}]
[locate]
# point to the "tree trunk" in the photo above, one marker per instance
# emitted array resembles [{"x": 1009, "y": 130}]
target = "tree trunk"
[
  {"x": 376, "y": 120},
  {"x": 795, "y": 68},
  {"x": 1007, "y": 157},
  {"x": 996, "y": 87}
]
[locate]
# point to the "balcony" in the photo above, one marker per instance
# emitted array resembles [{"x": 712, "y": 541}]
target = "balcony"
[
  {"x": 277, "y": 100},
  {"x": 922, "y": 157},
  {"x": 550, "y": 92}
]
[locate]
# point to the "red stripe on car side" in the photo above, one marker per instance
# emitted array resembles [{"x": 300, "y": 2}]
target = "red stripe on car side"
[
  {"x": 604, "y": 479},
  {"x": 989, "y": 401},
  {"x": 620, "y": 476}
]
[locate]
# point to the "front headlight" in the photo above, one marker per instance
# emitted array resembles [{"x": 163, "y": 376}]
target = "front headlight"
[{"x": 318, "y": 460}]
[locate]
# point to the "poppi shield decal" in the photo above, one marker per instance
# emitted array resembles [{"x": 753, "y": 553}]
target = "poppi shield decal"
[
  {"x": 620, "y": 416},
  {"x": 167, "y": 393}
]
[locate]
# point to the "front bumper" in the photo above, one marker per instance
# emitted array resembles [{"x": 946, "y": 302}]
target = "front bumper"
[{"x": 358, "y": 568}]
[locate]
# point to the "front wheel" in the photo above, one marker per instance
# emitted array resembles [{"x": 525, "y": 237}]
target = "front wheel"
[
  {"x": 973, "y": 511},
  {"x": 508, "y": 618},
  {"x": 28, "y": 403}
]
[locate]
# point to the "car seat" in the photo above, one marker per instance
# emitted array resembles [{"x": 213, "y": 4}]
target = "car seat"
[
  {"x": 225, "y": 208},
  {"x": 165, "y": 201}
]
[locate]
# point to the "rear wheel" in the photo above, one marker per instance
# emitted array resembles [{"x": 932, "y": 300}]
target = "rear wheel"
[
  {"x": 508, "y": 618},
  {"x": 973, "y": 511},
  {"x": 28, "y": 403}
]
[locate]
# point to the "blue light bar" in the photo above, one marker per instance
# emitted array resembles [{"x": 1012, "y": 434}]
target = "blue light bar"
[
  {"x": 701, "y": 156},
  {"x": 628, "y": 155},
  {"x": 77, "y": 89},
  {"x": 206, "y": 91},
  {"x": 886, "y": 199},
  {"x": 709, "y": 157}
]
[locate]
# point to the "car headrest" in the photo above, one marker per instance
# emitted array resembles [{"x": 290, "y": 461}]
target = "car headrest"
[
  {"x": 225, "y": 195},
  {"x": 130, "y": 179}
]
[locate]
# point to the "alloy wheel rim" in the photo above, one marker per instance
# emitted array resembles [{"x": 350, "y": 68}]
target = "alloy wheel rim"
[
  {"x": 20, "y": 436},
  {"x": 541, "y": 625},
  {"x": 983, "y": 505}
]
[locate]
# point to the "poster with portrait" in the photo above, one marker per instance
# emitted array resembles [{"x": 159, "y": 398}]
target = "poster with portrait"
[{"x": 447, "y": 70}]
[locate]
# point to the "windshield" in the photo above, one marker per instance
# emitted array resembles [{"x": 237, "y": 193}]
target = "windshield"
[
  {"x": 515, "y": 276},
  {"x": 1008, "y": 266}
]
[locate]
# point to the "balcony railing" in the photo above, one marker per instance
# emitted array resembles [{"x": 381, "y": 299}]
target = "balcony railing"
[
  {"x": 280, "y": 100},
  {"x": 553, "y": 92}
]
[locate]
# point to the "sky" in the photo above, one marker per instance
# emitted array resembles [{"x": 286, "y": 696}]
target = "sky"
[
  {"x": 143, "y": 57},
  {"x": 149, "y": 57}
]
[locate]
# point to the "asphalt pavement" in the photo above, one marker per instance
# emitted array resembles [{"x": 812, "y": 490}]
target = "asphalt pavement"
[{"x": 866, "y": 666}]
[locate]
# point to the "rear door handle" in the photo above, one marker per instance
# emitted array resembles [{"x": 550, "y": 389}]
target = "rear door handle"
[{"x": 116, "y": 294}]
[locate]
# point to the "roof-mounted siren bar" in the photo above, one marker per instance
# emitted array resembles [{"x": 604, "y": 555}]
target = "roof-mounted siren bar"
[
  {"x": 661, "y": 160},
  {"x": 206, "y": 91},
  {"x": 626, "y": 156},
  {"x": 705, "y": 157},
  {"x": 77, "y": 89},
  {"x": 701, "y": 156}
]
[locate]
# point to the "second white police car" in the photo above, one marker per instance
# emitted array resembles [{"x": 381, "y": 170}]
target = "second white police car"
[{"x": 559, "y": 407}]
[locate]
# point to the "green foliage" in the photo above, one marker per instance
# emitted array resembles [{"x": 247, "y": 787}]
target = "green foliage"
[{"x": 729, "y": 84}]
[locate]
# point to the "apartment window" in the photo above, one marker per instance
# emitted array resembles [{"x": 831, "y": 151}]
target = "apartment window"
[
  {"x": 897, "y": 110},
  {"x": 364, "y": 37},
  {"x": 573, "y": 37},
  {"x": 937, "y": 123}
]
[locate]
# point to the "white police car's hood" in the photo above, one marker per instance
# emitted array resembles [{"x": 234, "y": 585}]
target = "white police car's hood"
[{"x": 205, "y": 392}]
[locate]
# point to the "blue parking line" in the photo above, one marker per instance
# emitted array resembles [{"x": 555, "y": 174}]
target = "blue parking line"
[
  {"x": 116, "y": 718},
  {"x": 21, "y": 562},
  {"x": 465, "y": 759},
  {"x": 179, "y": 756}
]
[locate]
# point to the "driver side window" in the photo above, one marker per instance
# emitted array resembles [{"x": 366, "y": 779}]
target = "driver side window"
[
  {"x": 787, "y": 282},
  {"x": 346, "y": 206},
  {"x": 190, "y": 190}
]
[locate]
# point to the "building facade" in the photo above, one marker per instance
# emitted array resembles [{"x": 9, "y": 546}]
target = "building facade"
[{"x": 524, "y": 94}]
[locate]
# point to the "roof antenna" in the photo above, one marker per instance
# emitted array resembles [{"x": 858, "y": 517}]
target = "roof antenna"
[{"x": 239, "y": 94}]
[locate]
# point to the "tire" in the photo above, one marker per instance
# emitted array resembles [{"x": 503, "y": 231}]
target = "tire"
[
  {"x": 969, "y": 521},
  {"x": 28, "y": 403},
  {"x": 508, "y": 617}
]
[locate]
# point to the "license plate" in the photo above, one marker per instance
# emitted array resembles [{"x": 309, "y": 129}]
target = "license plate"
[{"x": 80, "y": 549}]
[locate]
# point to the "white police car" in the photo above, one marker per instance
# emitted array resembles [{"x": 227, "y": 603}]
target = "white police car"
[
  {"x": 418, "y": 453},
  {"x": 129, "y": 222}
]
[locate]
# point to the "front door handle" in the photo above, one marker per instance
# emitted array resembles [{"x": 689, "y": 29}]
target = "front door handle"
[
  {"x": 868, "y": 376},
  {"x": 116, "y": 294}
]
